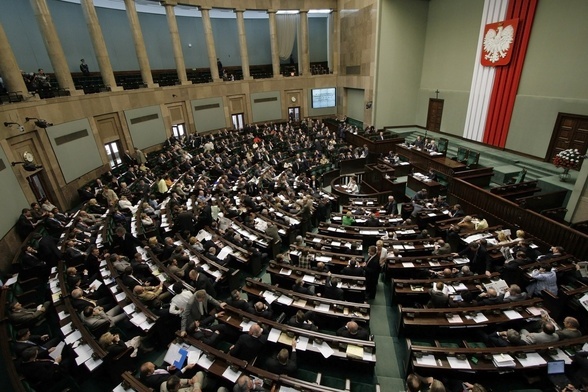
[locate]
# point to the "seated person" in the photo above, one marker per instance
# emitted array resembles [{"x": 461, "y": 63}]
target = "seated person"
[
  {"x": 25, "y": 340},
  {"x": 249, "y": 345},
  {"x": 439, "y": 298},
  {"x": 152, "y": 296},
  {"x": 283, "y": 363},
  {"x": 514, "y": 294},
  {"x": 347, "y": 219},
  {"x": 153, "y": 377},
  {"x": 570, "y": 329},
  {"x": 332, "y": 289},
  {"x": 547, "y": 335},
  {"x": 545, "y": 279},
  {"x": 262, "y": 310},
  {"x": 506, "y": 338},
  {"x": 352, "y": 330},
  {"x": 303, "y": 320},
  {"x": 490, "y": 297},
  {"x": 20, "y": 315},
  {"x": 41, "y": 372},
  {"x": 95, "y": 317},
  {"x": 299, "y": 287}
]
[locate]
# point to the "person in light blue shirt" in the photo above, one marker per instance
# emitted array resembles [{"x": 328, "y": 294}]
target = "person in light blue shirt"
[{"x": 545, "y": 279}]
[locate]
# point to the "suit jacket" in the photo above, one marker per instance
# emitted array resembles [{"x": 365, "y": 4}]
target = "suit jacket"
[
  {"x": 192, "y": 312},
  {"x": 42, "y": 372},
  {"x": 248, "y": 347},
  {"x": 274, "y": 366},
  {"x": 25, "y": 316},
  {"x": 361, "y": 334}
]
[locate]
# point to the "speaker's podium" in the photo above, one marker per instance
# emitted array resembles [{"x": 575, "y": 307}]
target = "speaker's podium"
[{"x": 380, "y": 177}]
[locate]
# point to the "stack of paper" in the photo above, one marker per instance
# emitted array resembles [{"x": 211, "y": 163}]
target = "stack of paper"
[
  {"x": 354, "y": 351},
  {"x": 503, "y": 360}
]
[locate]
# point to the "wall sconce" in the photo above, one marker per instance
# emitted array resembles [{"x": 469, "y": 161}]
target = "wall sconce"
[
  {"x": 21, "y": 129},
  {"x": 39, "y": 122}
]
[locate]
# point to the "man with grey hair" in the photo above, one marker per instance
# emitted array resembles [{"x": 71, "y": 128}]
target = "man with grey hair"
[{"x": 201, "y": 312}]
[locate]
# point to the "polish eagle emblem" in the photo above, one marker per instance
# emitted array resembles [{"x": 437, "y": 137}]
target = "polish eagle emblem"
[{"x": 498, "y": 40}]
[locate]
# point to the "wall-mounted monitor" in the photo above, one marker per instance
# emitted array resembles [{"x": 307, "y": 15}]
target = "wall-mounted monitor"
[{"x": 324, "y": 97}]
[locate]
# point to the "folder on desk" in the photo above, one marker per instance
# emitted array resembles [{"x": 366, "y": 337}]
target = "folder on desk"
[{"x": 354, "y": 351}]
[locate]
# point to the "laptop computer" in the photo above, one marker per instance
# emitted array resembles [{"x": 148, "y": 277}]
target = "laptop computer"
[{"x": 556, "y": 374}]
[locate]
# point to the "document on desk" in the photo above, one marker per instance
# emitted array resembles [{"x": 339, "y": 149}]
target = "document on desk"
[
  {"x": 427, "y": 360},
  {"x": 225, "y": 251},
  {"x": 302, "y": 343},
  {"x": 408, "y": 247},
  {"x": 335, "y": 243},
  {"x": 300, "y": 303},
  {"x": 285, "y": 271},
  {"x": 84, "y": 353},
  {"x": 454, "y": 319},
  {"x": 193, "y": 355},
  {"x": 274, "y": 335},
  {"x": 316, "y": 240},
  {"x": 407, "y": 265},
  {"x": 512, "y": 314},
  {"x": 285, "y": 339},
  {"x": 561, "y": 356},
  {"x": 324, "y": 259},
  {"x": 461, "y": 260},
  {"x": 74, "y": 336},
  {"x": 503, "y": 360},
  {"x": 92, "y": 363},
  {"x": 67, "y": 329},
  {"x": 456, "y": 363},
  {"x": 324, "y": 349},
  {"x": 533, "y": 359},
  {"x": 246, "y": 326},
  {"x": 308, "y": 278},
  {"x": 129, "y": 309},
  {"x": 398, "y": 247},
  {"x": 284, "y": 299},
  {"x": 204, "y": 362},
  {"x": 459, "y": 287},
  {"x": 120, "y": 296},
  {"x": 231, "y": 374},
  {"x": 269, "y": 296},
  {"x": 138, "y": 319},
  {"x": 480, "y": 318},
  {"x": 323, "y": 307}
]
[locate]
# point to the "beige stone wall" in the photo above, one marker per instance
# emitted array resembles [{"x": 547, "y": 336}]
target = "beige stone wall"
[{"x": 357, "y": 51}]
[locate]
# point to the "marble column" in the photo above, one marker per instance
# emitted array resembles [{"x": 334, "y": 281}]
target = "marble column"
[
  {"x": 176, "y": 43},
  {"x": 303, "y": 42},
  {"x": 99, "y": 45},
  {"x": 53, "y": 46},
  {"x": 207, "y": 25},
  {"x": 334, "y": 41},
  {"x": 139, "y": 44},
  {"x": 274, "y": 43},
  {"x": 9, "y": 69},
  {"x": 243, "y": 44}
]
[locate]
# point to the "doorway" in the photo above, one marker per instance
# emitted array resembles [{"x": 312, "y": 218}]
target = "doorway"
[
  {"x": 37, "y": 185},
  {"x": 294, "y": 114},
  {"x": 434, "y": 114},
  {"x": 570, "y": 131},
  {"x": 238, "y": 121}
]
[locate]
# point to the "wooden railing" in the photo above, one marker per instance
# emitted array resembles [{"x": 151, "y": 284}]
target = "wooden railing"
[{"x": 547, "y": 231}]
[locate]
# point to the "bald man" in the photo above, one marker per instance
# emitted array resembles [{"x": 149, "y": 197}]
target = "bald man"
[
  {"x": 249, "y": 345},
  {"x": 352, "y": 330}
]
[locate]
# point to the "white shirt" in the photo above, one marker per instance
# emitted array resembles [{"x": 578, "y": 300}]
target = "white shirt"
[{"x": 179, "y": 302}]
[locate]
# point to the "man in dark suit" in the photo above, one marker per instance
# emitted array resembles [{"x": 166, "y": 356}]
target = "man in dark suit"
[
  {"x": 25, "y": 224},
  {"x": 249, "y": 345},
  {"x": 125, "y": 243},
  {"x": 198, "y": 280},
  {"x": 184, "y": 222},
  {"x": 480, "y": 263},
  {"x": 372, "y": 272},
  {"x": 352, "y": 330},
  {"x": 391, "y": 206},
  {"x": 201, "y": 311},
  {"x": 40, "y": 372},
  {"x": 25, "y": 340},
  {"x": 353, "y": 269},
  {"x": 22, "y": 316},
  {"x": 283, "y": 363},
  {"x": 332, "y": 291},
  {"x": 153, "y": 377}
]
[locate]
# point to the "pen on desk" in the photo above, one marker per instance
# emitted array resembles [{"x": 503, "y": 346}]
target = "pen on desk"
[
  {"x": 439, "y": 362},
  {"x": 229, "y": 318}
]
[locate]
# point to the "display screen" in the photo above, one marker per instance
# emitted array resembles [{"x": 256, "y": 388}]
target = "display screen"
[{"x": 323, "y": 97}]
